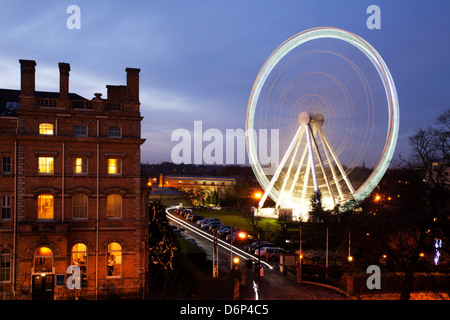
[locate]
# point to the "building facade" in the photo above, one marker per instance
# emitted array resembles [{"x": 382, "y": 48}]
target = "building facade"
[
  {"x": 215, "y": 188},
  {"x": 70, "y": 190}
]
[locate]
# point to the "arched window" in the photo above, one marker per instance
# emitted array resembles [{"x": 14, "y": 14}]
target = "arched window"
[
  {"x": 43, "y": 260},
  {"x": 80, "y": 206},
  {"x": 5, "y": 265},
  {"x": 114, "y": 260},
  {"x": 79, "y": 258},
  {"x": 114, "y": 206},
  {"x": 45, "y": 206},
  {"x": 46, "y": 128}
]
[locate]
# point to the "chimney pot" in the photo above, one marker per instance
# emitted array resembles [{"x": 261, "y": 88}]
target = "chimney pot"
[
  {"x": 64, "y": 69},
  {"x": 132, "y": 85},
  {"x": 27, "y": 77}
]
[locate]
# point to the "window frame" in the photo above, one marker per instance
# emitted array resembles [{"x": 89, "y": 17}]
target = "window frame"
[
  {"x": 8, "y": 165},
  {"x": 7, "y": 206},
  {"x": 115, "y": 208},
  {"x": 75, "y": 254},
  {"x": 113, "y": 130},
  {"x": 5, "y": 271},
  {"x": 81, "y": 166},
  {"x": 49, "y": 167},
  {"x": 37, "y": 255},
  {"x": 80, "y": 133},
  {"x": 118, "y": 166},
  {"x": 109, "y": 266},
  {"x": 82, "y": 208},
  {"x": 39, "y": 205},
  {"x": 44, "y": 127}
]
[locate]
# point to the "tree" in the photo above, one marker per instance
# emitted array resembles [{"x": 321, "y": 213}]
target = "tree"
[
  {"x": 197, "y": 195},
  {"x": 252, "y": 219},
  {"x": 162, "y": 246},
  {"x": 284, "y": 221},
  {"x": 411, "y": 211},
  {"x": 317, "y": 212}
]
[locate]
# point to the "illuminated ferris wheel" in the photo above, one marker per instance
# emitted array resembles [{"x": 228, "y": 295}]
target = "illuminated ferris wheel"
[{"x": 332, "y": 100}]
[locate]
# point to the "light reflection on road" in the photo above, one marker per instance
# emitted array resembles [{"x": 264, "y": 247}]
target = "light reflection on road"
[{"x": 209, "y": 237}]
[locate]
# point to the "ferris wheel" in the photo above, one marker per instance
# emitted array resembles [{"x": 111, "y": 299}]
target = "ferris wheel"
[{"x": 331, "y": 99}]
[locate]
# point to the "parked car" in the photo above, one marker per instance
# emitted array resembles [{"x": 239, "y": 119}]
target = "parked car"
[
  {"x": 256, "y": 244},
  {"x": 209, "y": 223},
  {"x": 190, "y": 215},
  {"x": 200, "y": 222},
  {"x": 215, "y": 226},
  {"x": 185, "y": 212},
  {"x": 197, "y": 217},
  {"x": 272, "y": 253}
]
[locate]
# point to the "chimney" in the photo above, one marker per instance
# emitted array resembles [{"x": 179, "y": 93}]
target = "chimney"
[
  {"x": 64, "y": 69},
  {"x": 132, "y": 85},
  {"x": 27, "y": 81}
]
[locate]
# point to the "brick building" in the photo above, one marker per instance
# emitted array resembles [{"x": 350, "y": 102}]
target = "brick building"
[{"x": 70, "y": 190}]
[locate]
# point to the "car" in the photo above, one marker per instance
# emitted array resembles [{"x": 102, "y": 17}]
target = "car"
[
  {"x": 215, "y": 226},
  {"x": 273, "y": 253},
  {"x": 190, "y": 215},
  {"x": 230, "y": 235},
  {"x": 225, "y": 230},
  {"x": 177, "y": 232},
  {"x": 264, "y": 249},
  {"x": 192, "y": 240},
  {"x": 208, "y": 224},
  {"x": 254, "y": 245},
  {"x": 197, "y": 217},
  {"x": 185, "y": 212},
  {"x": 218, "y": 208},
  {"x": 200, "y": 222}
]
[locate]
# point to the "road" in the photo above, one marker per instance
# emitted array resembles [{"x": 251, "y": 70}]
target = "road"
[
  {"x": 205, "y": 240},
  {"x": 273, "y": 285}
]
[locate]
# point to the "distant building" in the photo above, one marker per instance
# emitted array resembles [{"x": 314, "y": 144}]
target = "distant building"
[
  {"x": 70, "y": 190},
  {"x": 220, "y": 186}
]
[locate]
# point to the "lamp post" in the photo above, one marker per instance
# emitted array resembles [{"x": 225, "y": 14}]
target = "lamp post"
[{"x": 241, "y": 235}]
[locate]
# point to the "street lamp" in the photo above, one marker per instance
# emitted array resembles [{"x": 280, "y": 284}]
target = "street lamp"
[
  {"x": 241, "y": 235},
  {"x": 257, "y": 195}
]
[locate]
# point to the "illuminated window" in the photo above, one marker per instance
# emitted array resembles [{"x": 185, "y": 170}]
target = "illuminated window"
[
  {"x": 45, "y": 164},
  {"x": 80, "y": 131},
  {"x": 46, "y": 128},
  {"x": 114, "y": 260},
  {"x": 114, "y": 206},
  {"x": 45, "y": 206},
  {"x": 80, "y": 165},
  {"x": 114, "y": 166},
  {"x": 5, "y": 265},
  {"x": 79, "y": 257},
  {"x": 114, "y": 132},
  {"x": 80, "y": 205},
  {"x": 43, "y": 260}
]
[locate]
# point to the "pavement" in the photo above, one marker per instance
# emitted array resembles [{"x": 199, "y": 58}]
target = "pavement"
[{"x": 276, "y": 286}]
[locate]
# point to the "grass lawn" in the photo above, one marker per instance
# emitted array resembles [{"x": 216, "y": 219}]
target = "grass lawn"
[{"x": 237, "y": 219}]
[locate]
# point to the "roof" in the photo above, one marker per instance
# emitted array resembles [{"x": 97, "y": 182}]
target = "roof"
[
  {"x": 194, "y": 178},
  {"x": 9, "y": 100}
]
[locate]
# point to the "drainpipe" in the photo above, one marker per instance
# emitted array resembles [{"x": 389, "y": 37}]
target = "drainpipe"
[
  {"x": 96, "y": 230},
  {"x": 62, "y": 182}
]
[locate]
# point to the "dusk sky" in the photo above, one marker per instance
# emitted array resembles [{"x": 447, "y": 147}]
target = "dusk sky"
[{"x": 199, "y": 58}]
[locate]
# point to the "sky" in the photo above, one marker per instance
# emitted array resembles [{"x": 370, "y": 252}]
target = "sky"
[{"x": 199, "y": 58}]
